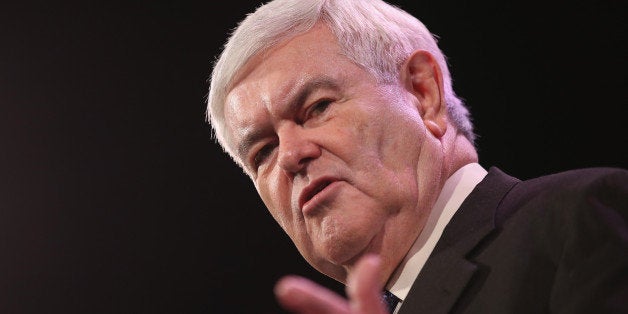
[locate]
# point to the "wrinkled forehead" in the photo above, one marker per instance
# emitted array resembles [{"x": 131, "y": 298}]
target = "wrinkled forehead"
[{"x": 270, "y": 77}]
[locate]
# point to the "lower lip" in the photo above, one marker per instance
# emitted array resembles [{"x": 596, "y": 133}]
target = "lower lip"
[{"x": 323, "y": 195}]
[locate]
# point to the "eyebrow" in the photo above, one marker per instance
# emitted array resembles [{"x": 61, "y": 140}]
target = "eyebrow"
[{"x": 294, "y": 102}]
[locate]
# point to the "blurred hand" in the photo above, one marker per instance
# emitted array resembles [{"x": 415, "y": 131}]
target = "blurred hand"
[{"x": 302, "y": 296}]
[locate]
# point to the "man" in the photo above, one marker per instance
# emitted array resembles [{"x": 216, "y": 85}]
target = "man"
[{"x": 343, "y": 114}]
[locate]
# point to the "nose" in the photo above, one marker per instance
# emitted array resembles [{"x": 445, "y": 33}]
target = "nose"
[{"x": 296, "y": 148}]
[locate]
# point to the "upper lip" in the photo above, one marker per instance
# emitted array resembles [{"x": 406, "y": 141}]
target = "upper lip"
[{"x": 313, "y": 188}]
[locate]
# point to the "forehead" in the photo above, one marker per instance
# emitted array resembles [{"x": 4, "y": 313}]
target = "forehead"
[{"x": 269, "y": 79}]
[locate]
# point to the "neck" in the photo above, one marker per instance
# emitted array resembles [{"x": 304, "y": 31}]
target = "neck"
[{"x": 458, "y": 152}]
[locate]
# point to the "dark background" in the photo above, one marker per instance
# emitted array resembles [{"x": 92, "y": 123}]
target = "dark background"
[{"x": 114, "y": 199}]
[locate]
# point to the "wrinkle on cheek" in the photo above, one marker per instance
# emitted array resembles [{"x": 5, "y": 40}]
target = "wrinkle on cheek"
[
  {"x": 404, "y": 137},
  {"x": 363, "y": 135},
  {"x": 275, "y": 191}
]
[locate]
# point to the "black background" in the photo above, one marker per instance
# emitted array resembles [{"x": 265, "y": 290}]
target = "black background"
[{"x": 114, "y": 199}]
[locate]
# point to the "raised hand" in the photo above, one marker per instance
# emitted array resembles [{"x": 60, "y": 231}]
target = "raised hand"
[{"x": 302, "y": 296}]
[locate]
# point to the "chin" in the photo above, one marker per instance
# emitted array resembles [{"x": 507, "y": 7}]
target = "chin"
[
  {"x": 342, "y": 239},
  {"x": 344, "y": 251}
]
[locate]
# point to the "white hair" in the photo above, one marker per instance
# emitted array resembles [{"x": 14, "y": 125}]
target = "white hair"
[{"x": 376, "y": 35}]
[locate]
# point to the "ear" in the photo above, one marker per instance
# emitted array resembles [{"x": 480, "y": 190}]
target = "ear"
[{"x": 422, "y": 76}]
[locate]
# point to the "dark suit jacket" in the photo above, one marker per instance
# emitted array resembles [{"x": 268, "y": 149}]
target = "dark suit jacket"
[{"x": 555, "y": 244}]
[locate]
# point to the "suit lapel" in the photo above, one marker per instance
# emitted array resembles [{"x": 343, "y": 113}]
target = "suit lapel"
[{"x": 447, "y": 271}]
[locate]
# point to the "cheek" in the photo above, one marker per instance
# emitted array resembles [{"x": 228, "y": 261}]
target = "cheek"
[
  {"x": 275, "y": 191},
  {"x": 358, "y": 135},
  {"x": 393, "y": 143},
  {"x": 275, "y": 195},
  {"x": 400, "y": 140}
]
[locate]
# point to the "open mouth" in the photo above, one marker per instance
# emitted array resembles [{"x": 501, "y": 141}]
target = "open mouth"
[{"x": 313, "y": 189}]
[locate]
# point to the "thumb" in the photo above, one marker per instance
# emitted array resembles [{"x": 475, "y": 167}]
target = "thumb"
[
  {"x": 300, "y": 295},
  {"x": 364, "y": 287}
]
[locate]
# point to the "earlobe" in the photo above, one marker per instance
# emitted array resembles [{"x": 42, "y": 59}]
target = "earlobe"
[
  {"x": 434, "y": 128},
  {"x": 423, "y": 78}
]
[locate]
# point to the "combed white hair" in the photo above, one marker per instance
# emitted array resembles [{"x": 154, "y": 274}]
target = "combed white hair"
[{"x": 374, "y": 34}]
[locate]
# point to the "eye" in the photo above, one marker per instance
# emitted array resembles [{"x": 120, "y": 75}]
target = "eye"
[
  {"x": 318, "y": 108},
  {"x": 262, "y": 154}
]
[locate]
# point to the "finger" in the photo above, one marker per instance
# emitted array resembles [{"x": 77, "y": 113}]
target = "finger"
[
  {"x": 303, "y": 296},
  {"x": 364, "y": 287}
]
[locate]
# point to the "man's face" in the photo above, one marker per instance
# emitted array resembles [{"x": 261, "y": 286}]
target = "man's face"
[{"x": 343, "y": 163}]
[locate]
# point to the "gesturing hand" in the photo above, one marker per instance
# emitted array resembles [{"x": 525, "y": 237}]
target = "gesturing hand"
[{"x": 300, "y": 295}]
